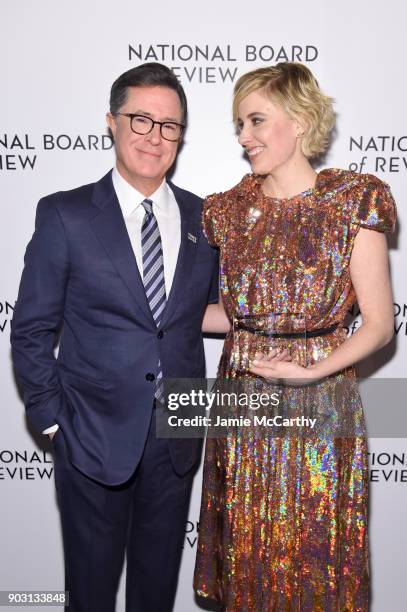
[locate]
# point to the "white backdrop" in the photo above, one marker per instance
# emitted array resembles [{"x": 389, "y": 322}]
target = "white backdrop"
[{"x": 58, "y": 60}]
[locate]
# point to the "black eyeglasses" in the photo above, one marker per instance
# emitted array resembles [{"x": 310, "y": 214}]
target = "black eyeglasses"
[{"x": 140, "y": 124}]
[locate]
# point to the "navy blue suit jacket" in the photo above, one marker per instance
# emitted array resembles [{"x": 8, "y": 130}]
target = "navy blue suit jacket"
[{"x": 81, "y": 279}]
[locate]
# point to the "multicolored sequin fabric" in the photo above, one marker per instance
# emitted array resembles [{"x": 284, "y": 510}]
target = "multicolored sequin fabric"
[{"x": 283, "y": 523}]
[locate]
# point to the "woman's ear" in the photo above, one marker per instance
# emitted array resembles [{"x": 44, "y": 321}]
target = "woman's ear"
[{"x": 300, "y": 127}]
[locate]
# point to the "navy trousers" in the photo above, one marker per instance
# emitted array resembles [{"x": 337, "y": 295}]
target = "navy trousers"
[{"x": 143, "y": 519}]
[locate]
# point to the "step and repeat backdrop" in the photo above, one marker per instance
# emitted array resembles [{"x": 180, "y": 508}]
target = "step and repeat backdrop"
[{"x": 58, "y": 61}]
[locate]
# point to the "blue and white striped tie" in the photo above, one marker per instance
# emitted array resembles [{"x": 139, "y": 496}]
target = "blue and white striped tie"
[{"x": 153, "y": 276}]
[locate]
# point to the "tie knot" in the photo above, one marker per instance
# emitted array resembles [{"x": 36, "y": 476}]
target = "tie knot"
[{"x": 148, "y": 206}]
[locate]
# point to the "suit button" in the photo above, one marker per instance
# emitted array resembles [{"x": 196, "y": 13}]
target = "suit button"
[
  {"x": 150, "y": 377},
  {"x": 160, "y": 335}
]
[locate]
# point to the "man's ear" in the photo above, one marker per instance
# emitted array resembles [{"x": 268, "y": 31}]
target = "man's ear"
[{"x": 111, "y": 122}]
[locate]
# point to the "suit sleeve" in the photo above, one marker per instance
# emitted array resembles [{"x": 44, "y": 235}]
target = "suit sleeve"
[
  {"x": 38, "y": 316},
  {"x": 213, "y": 297}
]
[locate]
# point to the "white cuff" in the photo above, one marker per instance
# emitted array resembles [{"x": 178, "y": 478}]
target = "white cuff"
[{"x": 51, "y": 429}]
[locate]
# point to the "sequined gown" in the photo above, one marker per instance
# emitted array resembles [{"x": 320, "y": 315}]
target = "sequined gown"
[{"x": 283, "y": 523}]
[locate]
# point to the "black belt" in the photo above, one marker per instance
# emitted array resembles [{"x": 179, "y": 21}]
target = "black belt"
[{"x": 313, "y": 333}]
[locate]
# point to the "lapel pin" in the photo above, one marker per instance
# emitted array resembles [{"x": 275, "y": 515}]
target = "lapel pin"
[{"x": 191, "y": 238}]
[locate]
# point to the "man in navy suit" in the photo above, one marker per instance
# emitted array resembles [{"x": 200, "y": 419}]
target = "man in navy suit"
[{"x": 120, "y": 268}]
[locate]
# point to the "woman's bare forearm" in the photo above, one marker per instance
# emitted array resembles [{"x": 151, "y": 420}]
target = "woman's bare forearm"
[
  {"x": 369, "y": 338},
  {"x": 215, "y": 320}
]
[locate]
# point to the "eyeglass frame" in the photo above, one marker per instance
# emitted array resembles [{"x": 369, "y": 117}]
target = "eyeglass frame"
[{"x": 153, "y": 123}]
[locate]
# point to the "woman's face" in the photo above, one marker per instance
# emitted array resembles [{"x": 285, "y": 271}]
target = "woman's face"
[{"x": 267, "y": 133}]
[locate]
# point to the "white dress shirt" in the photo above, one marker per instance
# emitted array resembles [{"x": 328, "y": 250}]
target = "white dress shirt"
[{"x": 166, "y": 211}]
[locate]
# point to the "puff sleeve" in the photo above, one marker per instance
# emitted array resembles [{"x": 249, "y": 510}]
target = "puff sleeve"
[
  {"x": 214, "y": 219},
  {"x": 374, "y": 206}
]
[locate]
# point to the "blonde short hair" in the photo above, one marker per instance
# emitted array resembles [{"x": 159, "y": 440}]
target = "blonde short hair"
[{"x": 292, "y": 86}]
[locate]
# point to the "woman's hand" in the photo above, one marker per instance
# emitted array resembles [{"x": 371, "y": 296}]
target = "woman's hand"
[{"x": 279, "y": 367}]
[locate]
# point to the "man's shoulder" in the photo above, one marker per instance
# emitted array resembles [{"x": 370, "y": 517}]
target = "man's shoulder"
[
  {"x": 70, "y": 195},
  {"x": 187, "y": 196},
  {"x": 73, "y": 198}
]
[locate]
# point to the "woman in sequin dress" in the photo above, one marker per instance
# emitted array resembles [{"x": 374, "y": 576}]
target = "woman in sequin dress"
[{"x": 283, "y": 523}]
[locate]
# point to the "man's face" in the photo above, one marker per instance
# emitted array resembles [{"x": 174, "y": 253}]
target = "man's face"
[{"x": 144, "y": 160}]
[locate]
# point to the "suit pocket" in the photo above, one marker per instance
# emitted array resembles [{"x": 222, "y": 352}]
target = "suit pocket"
[{"x": 69, "y": 373}]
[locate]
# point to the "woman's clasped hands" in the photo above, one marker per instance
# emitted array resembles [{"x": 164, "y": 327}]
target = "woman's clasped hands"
[{"x": 278, "y": 367}]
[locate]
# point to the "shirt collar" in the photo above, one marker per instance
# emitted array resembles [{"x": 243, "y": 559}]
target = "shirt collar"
[{"x": 130, "y": 199}]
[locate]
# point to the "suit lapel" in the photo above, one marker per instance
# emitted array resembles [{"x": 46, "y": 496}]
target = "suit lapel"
[
  {"x": 110, "y": 228},
  {"x": 186, "y": 254}
]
